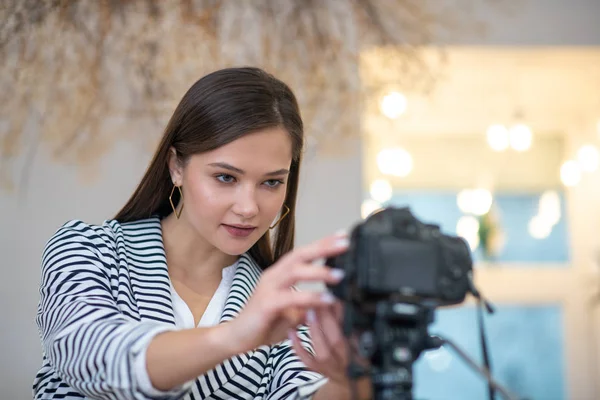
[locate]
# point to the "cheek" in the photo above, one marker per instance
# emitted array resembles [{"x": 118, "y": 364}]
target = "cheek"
[
  {"x": 272, "y": 204},
  {"x": 204, "y": 199}
]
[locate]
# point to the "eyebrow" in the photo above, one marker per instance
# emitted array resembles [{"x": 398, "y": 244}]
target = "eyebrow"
[{"x": 229, "y": 167}]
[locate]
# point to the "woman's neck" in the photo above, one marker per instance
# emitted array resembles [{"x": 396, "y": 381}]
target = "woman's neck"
[{"x": 188, "y": 254}]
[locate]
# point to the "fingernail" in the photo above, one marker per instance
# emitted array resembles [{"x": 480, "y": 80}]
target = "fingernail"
[
  {"x": 327, "y": 298},
  {"x": 291, "y": 335},
  {"x": 341, "y": 232},
  {"x": 341, "y": 242},
  {"x": 337, "y": 273},
  {"x": 311, "y": 316}
]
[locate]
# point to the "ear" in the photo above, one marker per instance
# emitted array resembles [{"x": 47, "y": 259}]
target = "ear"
[{"x": 175, "y": 167}]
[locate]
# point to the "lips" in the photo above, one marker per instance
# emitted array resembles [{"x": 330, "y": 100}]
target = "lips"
[{"x": 239, "y": 231}]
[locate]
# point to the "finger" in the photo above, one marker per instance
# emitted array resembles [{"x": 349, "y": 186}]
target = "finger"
[
  {"x": 294, "y": 316},
  {"x": 338, "y": 311},
  {"x": 323, "y": 353},
  {"x": 301, "y": 352},
  {"x": 302, "y": 300},
  {"x": 336, "y": 341},
  {"x": 326, "y": 247},
  {"x": 325, "y": 359},
  {"x": 308, "y": 273},
  {"x": 354, "y": 349}
]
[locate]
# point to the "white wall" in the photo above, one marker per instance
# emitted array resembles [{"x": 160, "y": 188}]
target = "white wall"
[
  {"x": 55, "y": 195},
  {"x": 532, "y": 22}
]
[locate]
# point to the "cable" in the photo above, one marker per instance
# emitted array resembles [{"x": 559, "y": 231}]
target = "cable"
[
  {"x": 484, "y": 346},
  {"x": 483, "y": 371}
]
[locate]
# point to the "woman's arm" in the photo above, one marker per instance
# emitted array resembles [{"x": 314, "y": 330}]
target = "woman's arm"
[
  {"x": 94, "y": 347},
  {"x": 173, "y": 358}
]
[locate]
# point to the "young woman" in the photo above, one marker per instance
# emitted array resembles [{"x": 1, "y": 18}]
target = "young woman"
[{"x": 189, "y": 291}]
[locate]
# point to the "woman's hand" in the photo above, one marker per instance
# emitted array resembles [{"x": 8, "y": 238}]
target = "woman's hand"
[
  {"x": 329, "y": 344},
  {"x": 275, "y": 307},
  {"x": 332, "y": 354}
]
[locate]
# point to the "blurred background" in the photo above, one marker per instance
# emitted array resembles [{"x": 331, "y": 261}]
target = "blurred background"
[{"x": 482, "y": 116}]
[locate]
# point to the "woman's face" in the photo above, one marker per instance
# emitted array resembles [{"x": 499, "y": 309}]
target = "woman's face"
[{"x": 234, "y": 193}]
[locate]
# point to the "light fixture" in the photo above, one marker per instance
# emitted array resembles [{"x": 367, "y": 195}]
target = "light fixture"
[
  {"x": 570, "y": 174},
  {"x": 467, "y": 227},
  {"x": 520, "y": 137},
  {"x": 539, "y": 228},
  {"x": 394, "y": 161},
  {"x": 549, "y": 207},
  {"x": 464, "y": 200},
  {"x": 482, "y": 201},
  {"x": 474, "y": 201},
  {"x": 393, "y": 105},
  {"x": 588, "y": 158},
  {"x": 381, "y": 190},
  {"x": 368, "y": 207},
  {"x": 497, "y": 137}
]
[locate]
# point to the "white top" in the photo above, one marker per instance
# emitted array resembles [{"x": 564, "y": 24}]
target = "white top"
[
  {"x": 183, "y": 315},
  {"x": 184, "y": 319}
]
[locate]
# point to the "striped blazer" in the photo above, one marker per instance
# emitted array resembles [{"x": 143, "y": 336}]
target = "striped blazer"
[{"x": 105, "y": 292}]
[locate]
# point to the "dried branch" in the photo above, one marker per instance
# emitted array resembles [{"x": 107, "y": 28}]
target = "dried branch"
[{"x": 81, "y": 63}]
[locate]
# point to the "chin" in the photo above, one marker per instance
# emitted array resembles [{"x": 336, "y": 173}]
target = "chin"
[
  {"x": 236, "y": 246},
  {"x": 232, "y": 248}
]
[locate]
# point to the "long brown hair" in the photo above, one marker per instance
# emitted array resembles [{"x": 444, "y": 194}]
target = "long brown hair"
[{"x": 218, "y": 109}]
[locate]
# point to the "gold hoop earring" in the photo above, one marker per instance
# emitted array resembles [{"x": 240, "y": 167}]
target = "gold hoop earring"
[
  {"x": 287, "y": 210},
  {"x": 177, "y": 214}
]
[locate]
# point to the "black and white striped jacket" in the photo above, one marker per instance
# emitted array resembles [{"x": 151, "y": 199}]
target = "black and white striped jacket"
[{"x": 105, "y": 293}]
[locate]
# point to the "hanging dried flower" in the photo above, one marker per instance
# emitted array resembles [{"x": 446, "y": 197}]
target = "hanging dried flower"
[{"x": 77, "y": 76}]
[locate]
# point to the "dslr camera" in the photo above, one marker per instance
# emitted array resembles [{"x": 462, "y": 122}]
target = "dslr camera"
[{"x": 398, "y": 270}]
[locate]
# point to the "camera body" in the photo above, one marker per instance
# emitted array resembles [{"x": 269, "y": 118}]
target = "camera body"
[
  {"x": 397, "y": 271},
  {"x": 394, "y": 256}
]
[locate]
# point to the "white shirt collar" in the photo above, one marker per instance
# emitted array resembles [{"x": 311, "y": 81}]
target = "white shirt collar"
[{"x": 212, "y": 315}]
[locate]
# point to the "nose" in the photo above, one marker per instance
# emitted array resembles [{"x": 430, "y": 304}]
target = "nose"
[{"x": 245, "y": 204}]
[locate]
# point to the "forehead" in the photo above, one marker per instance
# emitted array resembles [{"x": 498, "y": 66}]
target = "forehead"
[{"x": 267, "y": 150}]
